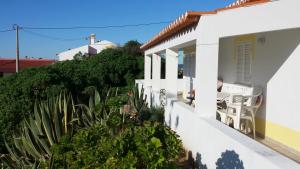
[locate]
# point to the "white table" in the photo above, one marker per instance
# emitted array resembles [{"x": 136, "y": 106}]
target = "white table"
[{"x": 221, "y": 96}]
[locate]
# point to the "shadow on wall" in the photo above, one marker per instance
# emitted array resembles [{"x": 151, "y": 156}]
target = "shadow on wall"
[
  {"x": 170, "y": 120},
  {"x": 261, "y": 124},
  {"x": 170, "y": 115},
  {"x": 177, "y": 122},
  {"x": 92, "y": 50},
  {"x": 196, "y": 163},
  {"x": 151, "y": 99},
  {"x": 228, "y": 160}
]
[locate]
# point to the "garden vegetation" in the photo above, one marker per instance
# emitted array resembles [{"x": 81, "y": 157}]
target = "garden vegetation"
[
  {"x": 84, "y": 113},
  {"x": 111, "y": 68}
]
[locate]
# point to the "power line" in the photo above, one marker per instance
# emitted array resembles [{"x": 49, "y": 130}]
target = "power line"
[
  {"x": 86, "y": 27},
  {"x": 100, "y": 27},
  {"x": 8, "y": 30},
  {"x": 4, "y": 27},
  {"x": 53, "y": 38},
  {"x": 62, "y": 39},
  {"x": 26, "y": 29}
]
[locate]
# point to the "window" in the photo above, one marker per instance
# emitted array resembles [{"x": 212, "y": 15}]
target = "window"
[
  {"x": 180, "y": 64},
  {"x": 151, "y": 67},
  {"x": 163, "y": 66},
  {"x": 244, "y": 54}
]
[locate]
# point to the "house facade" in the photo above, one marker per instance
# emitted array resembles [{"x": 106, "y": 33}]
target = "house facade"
[
  {"x": 87, "y": 50},
  {"x": 250, "y": 42}
]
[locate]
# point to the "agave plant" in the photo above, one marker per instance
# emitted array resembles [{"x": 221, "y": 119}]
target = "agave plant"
[
  {"x": 52, "y": 119},
  {"x": 96, "y": 111},
  {"x": 138, "y": 103},
  {"x": 138, "y": 99},
  {"x": 56, "y": 117},
  {"x": 140, "y": 109}
]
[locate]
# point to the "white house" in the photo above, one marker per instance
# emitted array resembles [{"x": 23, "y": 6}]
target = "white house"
[
  {"x": 87, "y": 50},
  {"x": 248, "y": 44}
]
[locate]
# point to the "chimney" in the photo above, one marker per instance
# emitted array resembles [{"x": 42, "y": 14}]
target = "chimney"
[{"x": 92, "y": 39}]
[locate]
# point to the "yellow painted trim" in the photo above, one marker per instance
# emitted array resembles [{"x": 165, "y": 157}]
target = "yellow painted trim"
[
  {"x": 279, "y": 133},
  {"x": 245, "y": 38}
]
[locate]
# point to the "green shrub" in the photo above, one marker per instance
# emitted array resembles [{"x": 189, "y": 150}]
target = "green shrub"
[
  {"x": 151, "y": 145},
  {"x": 18, "y": 92}
]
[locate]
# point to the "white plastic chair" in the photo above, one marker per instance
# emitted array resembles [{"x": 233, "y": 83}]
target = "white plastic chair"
[
  {"x": 244, "y": 107},
  {"x": 250, "y": 113},
  {"x": 235, "y": 92}
]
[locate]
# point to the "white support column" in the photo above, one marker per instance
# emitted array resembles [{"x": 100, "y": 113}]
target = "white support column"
[
  {"x": 171, "y": 71},
  {"x": 147, "y": 78},
  {"x": 147, "y": 68},
  {"x": 206, "y": 78},
  {"x": 156, "y": 64}
]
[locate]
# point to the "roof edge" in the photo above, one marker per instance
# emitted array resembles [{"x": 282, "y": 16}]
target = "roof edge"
[
  {"x": 192, "y": 17},
  {"x": 185, "y": 20}
]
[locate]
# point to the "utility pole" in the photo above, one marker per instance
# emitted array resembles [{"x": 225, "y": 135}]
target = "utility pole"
[{"x": 16, "y": 27}]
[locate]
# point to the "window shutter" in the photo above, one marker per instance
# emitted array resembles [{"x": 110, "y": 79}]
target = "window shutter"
[
  {"x": 244, "y": 59},
  {"x": 240, "y": 63},
  {"x": 247, "y": 63}
]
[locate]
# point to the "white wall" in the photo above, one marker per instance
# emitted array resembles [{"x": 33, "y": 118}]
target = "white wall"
[
  {"x": 69, "y": 54},
  {"x": 86, "y": 49},
  {"x": 99, "y": 46},
  {"x": 210, "y": 138},
  {"x": 147, "y": 89},
  {"x": 180, "y": 85}
]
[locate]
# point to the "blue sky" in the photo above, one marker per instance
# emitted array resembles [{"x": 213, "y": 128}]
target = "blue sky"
[{"x": 66, "y": 13}]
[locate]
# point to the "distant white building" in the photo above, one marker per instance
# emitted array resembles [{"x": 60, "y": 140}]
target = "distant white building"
[{"x": 87, "y": 50}]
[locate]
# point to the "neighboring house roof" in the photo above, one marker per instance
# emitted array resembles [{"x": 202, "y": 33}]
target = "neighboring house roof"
[
  {"x": 192, "y": 18},
  {"x": 8, "y": 65}
]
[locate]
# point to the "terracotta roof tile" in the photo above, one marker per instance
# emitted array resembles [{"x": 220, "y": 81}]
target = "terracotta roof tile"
[
  {"x": 190, "y": 18},
  {"x": 8, "y": 65},
  {"x": 242, "y": 3}
]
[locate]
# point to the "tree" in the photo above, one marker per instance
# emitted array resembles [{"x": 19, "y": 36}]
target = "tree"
[
  {"x": 78, "y": 56},
  {"x": 132, "y": 48}
]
